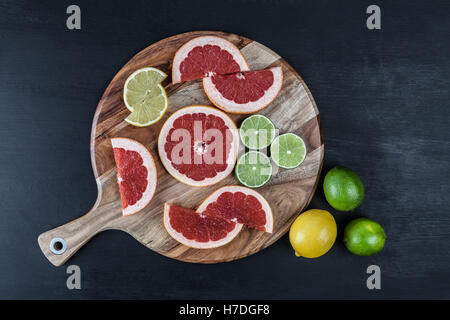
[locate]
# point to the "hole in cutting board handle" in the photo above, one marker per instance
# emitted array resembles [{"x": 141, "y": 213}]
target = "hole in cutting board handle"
[{"x": 58, "y": 245}]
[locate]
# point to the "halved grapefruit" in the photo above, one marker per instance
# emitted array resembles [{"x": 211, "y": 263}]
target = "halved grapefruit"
[
  {"x": 206, "y": 56},
  {"x": 196, "y": 231},
  {"x": 244, "y": 92},
  {"x": 198, "y": 145},
  {"x": 241, "y": 205},
  {"x": 219, "y": 218},
  {"x": 136, "y": 174}
]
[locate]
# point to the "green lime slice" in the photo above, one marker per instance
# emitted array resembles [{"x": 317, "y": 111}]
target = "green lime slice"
[
  {"x": 253, "y": 169},
  {"x": 145, "y": 97},
  {"x": 257, "y": 132},
  {"x": 288, "y": 151}
]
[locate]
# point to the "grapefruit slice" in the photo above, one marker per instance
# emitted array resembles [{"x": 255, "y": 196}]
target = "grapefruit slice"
[
  {"x": 198, "y": 145},
  {"x": 241, "y": 205},
  {"x": 206, "y": 56},
  {"x": 136, "y": 174},
  {"x": 196, "y": 231},
  {"x": 244, "y": 92}
]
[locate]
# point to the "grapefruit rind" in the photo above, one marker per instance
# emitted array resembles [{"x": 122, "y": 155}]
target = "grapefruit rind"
[
  {"x": 231, "y": 160},
  {"x": 184, "y": 50},
  {"x": 196, "y": 244},
  {"x": 250, "y": 107},
  {"x": 234, "y": 188},
  {"x": 149, "y": 163}
]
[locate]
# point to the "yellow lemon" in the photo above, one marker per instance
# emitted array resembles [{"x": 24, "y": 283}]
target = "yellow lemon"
[{"x": 313, "y": 233}]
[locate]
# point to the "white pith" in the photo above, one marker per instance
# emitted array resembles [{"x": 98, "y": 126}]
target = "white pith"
[
  {"x": 148, "y": 162},
  {"x": 231, "y": 159},
  {"x": 196, "y": 244},
  {"x": 183, "y": 52},
  {"x": 266, "y": 207},
  {"x": 230, "y": 106}
]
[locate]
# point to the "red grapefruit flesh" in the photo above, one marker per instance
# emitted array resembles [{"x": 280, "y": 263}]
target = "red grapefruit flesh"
[
  {"x": 198, "y": 145},
  {"x": 136, "y": 174},
  {"x": 206, "y": 56},
  {"x": 244, "y": 92},
  {"x": 196, "y": 231},
  {"x": 241, "y": 205}
]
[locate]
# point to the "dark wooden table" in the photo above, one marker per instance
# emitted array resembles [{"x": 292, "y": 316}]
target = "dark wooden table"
[{"x": 384, "y": 102}]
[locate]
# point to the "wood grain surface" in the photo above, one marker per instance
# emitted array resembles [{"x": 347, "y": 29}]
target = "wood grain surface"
[{"x": 288, "y": 192}]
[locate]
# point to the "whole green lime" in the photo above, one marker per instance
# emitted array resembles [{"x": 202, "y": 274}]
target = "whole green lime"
[
  {"x": 343, "y": 189},
  {"x": 364, "y": 237}
]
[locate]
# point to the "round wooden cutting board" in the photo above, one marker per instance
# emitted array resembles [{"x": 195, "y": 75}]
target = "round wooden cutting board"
[{"x": 288, "y": 192}]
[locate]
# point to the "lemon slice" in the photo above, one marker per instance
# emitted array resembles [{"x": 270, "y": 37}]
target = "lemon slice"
[{"x": 145, "y": 97}]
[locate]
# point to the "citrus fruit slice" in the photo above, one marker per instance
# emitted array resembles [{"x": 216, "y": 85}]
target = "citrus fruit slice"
[
  {"x": 197, "y": 231},
  {"x": 136, "y": 174},
  {"x": 219, "y": 218},
  {"x": 253, "y": 169},
  {"x": 206, "y": 56},
  {"x": 198, "y": 145},
  {"x": 257, "y": 132},
  {"x": 343, "y": 189},
  {"x": 288, "y": 151},
  {"x": 145, "y": 97},
  {"x": 313, "y": 233},
  {"x": 244, "y": 92},
  {"x": 241, "y": 205}
]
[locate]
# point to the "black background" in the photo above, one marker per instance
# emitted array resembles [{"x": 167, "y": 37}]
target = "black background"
[{"x": 384, "y": 102}]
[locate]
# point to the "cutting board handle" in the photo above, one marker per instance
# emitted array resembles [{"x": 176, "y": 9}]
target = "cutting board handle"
[{"x": 59, "y": 244}]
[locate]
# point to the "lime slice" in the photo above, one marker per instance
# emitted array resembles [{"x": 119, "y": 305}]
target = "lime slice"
[
  {"x": 253, "y": 169},
  {"x": 145, "y": 97},
  {"x": 257, "y": 132},
  {"x": 288, "y": 151}
]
